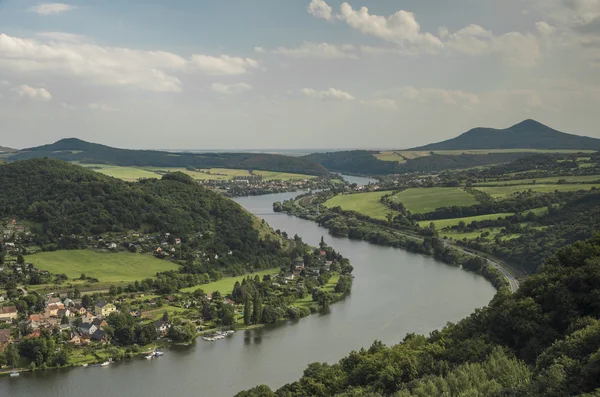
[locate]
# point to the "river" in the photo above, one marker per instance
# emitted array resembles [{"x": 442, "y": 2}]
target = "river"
[{"x": 395, "y": 292}]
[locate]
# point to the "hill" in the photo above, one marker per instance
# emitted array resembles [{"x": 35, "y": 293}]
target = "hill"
[
  {"x": 72, "y": 149},
  {"x": 67, "y": 203},
  {"x": 528, "y": 134},
  {"x": 4, "y": 149},
  {"x": 542, "y": 340}
]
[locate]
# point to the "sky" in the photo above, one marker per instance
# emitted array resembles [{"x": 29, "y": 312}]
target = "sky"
[{"x": 238, "y": 74}]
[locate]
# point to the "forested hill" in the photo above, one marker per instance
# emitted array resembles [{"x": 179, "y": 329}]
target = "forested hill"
[
  {"x": 543, "y": 340},
  {"x": 4, "y": 149},
  {"x": 364, "y": 162},
  {"x": 61, "y": 199},
  {"x": 73, "y": 149},
  {"x": 528, "y": 134}
]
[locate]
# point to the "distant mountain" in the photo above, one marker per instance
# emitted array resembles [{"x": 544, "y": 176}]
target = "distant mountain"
[
  {"x": 73, "y": 149},
  {"x": 4, "y": 149},
  {"x": 528, "y": 134}
]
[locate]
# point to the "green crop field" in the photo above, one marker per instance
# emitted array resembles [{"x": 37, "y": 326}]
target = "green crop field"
[
  {"x": 225, "y": 285},
  {"x": 421, "y": 200},
  {"x": 504, "y": 191},
  {"x": 282, "y": 176},
  {"x": 412, "y": 154},
  {"x": 363, "y": 203},
  {"x": 442, "y": 223},
  {"x": 106, "y": 267},
  {"x": 124, "y": 173},
  {"x": 549, "y": 180},
  {"x": 390, "y": 156}
]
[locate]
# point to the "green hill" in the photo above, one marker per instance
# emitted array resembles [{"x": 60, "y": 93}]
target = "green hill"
[
  {"x": 67, "y": 203},
  {"x": 4, "y": 149},
  {"x": 72, "y": 149},
  {"x": 528, "y": 134}
]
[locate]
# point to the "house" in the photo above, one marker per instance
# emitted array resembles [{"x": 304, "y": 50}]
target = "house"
[
  {"x": 75, "y": 340},
  {"x": 87, "y": 328},
  {"x": 51, "y": 301},
  {"x": 162, "y": 327},
  {"x": 88, "y": 318},
  {"x": 177, "y": 241},
  {"x": 68, "y": 302},
  {"x": 65, "y": 312},
  {"x": 100, "y": 323},
  {"x": 34, "y": 321},
  {"x": 52, "y": 309},
  {"x": 103, "y": 308},
  {"x": 4, "y": 339},
  {"x": 80, "y": 310},
  {"x": 134, "y": 313},
  {"x": 35, "y": 334},
  {"x": 98, "y": 336},
  {"x": 112, "y": 246},
  {"x": 8, "y": 313}
]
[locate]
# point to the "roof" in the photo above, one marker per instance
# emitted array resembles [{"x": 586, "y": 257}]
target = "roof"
[
  {"x": 35, "y": 317},
  {"x": 9, "y": 309},
  {"x": 98, "y": 335},
  {"x": 98, "y": 321},
  {"x": 4, "y": 335},
  {"x": 85, "y": 326},
  {"x": 101, "y": 303},
  {"x": 160, "y": 324}
]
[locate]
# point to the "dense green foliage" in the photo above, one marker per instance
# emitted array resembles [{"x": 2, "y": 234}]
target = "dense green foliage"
[
  {"x": 363, "y": 162},
  {"x": 528, "y": 134},
  {"x": 77, "y": 150},
  {"x": 68, "y": 203},
  {"x": 543, "y": 340}
]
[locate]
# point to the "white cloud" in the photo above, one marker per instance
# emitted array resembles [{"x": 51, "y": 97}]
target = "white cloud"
[
  {"x": 51, "y": 8},
  {"x": 111, "y": 66},
  {"x": 320, "y": 9},
  {"x": 101, "y": 107},
  {"x": 61, "y": 36},
  {"x": 223, "y": 64},
  {"x": 38, "y": 94},
  {"x": 330, "y": 94},
  {"x": 259, "y": 50},
  {"x": 437, "y": 96},
  {"x": 318, "y": 50},
  {"x": 4, "y": 83},
  {"x": 231, "y": 89}
]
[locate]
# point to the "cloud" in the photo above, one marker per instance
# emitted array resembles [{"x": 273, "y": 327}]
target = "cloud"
[
  {"x": 101, "y": 107},
  {"x": 51, "y": 8},
  {"x": 223, "y": 65},
  {"x": 382, "y": 103},
  {"x": 259, "y": 50},
  {"x": 330, "y": 94},
  {"x": 61, "y": 36},
  {"x": 111, "y": 66},
  {"x": 318, "y": 50},
  {"x": 4, "y": 83},
  {"x": 38, "y": 94},
  {"x": 231, "y": 89},
  {"x": 320, "y": 9}
]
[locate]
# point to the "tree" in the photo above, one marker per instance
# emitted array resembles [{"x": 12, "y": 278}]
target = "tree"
[
  {"x": 12, "y": 355},
  {"x": 165, "y": 316},
  {"x": 64, "y": 320},
  {"x": 257, "y": 309},
  {"x": 247, "y": 311},
  {"x": 112, "y": 290},
  {"x": 20, "y": 259}
]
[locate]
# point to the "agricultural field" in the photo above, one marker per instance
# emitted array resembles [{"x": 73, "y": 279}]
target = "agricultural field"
[
  {"x": 363, "y": 203},
  {"x": 281, "y": 176},
  {"x": 225, "y": 285},
  {"x": 421, "y": 200},
  {"x": 553, "y": 179},
  {"x": 130, "y": 174},
  {"x": 500, "y": 192},
  {"x": 390, "y": 156},
  {"x": 106, "y": 267},
  {"x": 443, "y": 223},
  {"x": 412, "y": 154}
]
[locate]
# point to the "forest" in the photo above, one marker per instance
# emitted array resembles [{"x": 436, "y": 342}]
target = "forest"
[{"x": 540, "y": 341}]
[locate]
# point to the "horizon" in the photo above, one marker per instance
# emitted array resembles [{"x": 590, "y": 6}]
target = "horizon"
[{"x": 368, "y": 74}]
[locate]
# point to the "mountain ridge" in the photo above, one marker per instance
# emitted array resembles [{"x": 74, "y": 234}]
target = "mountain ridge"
[
  {"x": 528, "y": 134},
  {"x": 75, "y": 149}
]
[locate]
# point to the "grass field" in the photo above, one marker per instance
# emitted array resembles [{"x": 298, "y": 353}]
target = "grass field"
[
  {"x": 106, "y": 267},
  {"x": 225, "y": 285},
  {"x": 363, "y": 203},
  {"x": 423, "y": 200},
  {"x": 125, "y": 173},
  {"x": 504, "y": 191},
  {"x": 442, "y": 223},
  {"x": 282, "y": 176},
  {"x": 554, "y": 179},
  {"x": 390, "y": 156}
]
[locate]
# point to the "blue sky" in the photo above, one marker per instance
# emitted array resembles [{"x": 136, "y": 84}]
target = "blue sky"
[{"x": 295, "y": 73}]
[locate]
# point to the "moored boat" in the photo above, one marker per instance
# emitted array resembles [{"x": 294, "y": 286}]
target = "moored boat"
[{"x": 14, "y": 374}]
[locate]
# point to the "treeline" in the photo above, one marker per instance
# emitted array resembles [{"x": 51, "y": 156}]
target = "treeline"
[
  {"x": 91, "y": 153},
  {"x": 540, "y": 341}
]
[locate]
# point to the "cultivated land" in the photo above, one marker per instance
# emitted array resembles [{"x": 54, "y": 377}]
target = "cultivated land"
[
  {"x": 106, "y": 267},
  {"x": 225, "y": 285},
  {"x": 504, "y": 191},
  {"x": 423, "y": 200},
  {"x": 442, "y": 223},
  {"x": 554, "y": 179},
  {"x": 135, "y": 173},
  {"x": 401, "y": 156},
  {"x": 363, "y": 203}
]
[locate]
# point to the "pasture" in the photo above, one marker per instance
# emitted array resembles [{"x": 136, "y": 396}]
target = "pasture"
[
  {"x": 443, "y": 223},
  {"x": 390, "y": 156},
  {"x": 225, "y": 285},
  {"x": 363, "y": 203},
  {"x": 106, "y": 267},
  {"x": 402, "y": 155},
  {"x": 500, "y": 192},
  {"x": 548, "y": 180},
  {"x": 129, "y": 174},
  {"x": 421, "y": 200}
]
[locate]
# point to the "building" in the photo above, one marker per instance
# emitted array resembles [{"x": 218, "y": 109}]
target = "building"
[
  {"x": 162, "y": 327},
  {"x": 8, "y": 313},
  {"x": 88, "y": 318},
  {"x": 103, "y": 308},
  {"x": 87, "y": 328}
]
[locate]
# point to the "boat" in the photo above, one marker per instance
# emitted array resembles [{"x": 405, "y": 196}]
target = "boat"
[
  {"x": 208, "y": 339},
  {"x": 148, "y": 357},
  {"x": 84, "y": 365},
  {"x": 104, "y": 364},
  {"x": 158, "y": 354},
  {"x": 14, "y": 374}
]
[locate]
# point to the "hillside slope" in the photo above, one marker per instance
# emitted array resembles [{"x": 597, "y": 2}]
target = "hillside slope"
[
  {"x": 73, "y": 149},
  {"x": 63, "y": 200},
  {"x": 528, "y": 134},
  {"x": 4, "y": 149}
]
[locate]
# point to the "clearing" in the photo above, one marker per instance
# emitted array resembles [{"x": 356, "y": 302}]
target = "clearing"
[
  {"x": 106, "y": 267},
  {"x": 363, "y": 203},
  {"x": 225, "y": 285},
  {"x": 442, "y": 223},
  {"x": 422, "y": 200}
]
